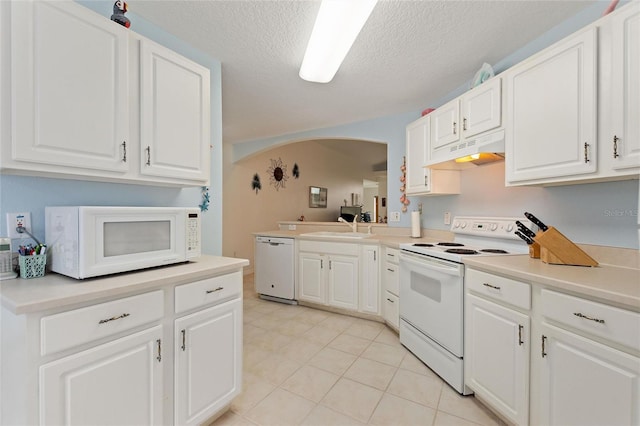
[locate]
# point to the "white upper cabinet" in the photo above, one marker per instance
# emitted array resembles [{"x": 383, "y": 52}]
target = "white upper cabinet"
[
  {"x": 623, "y": 144},
  {"x": 93, "y": 100},
  {"x": 174, "y": 114},
  {"x": 417, "y": 176},
  {"x": 69, "y": 86},
  {"x": 552, "y": 112},
  {"x": 421, "y": 180},
  {"x": 458, "y": 121}
]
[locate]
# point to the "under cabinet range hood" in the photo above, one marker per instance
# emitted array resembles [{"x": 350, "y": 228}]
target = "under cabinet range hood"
[{"x": 460, "y": 155}]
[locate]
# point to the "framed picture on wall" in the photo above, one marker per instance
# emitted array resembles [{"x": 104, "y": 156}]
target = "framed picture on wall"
[{"x": 317, "y": 197}]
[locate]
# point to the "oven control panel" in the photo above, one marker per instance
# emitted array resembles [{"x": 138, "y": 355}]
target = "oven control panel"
[{"x": 494, "y": 227}]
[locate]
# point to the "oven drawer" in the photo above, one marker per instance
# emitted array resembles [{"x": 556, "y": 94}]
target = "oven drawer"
[
  {"x": 608, "y": 322},
  {"x": 495, "y": 287}
]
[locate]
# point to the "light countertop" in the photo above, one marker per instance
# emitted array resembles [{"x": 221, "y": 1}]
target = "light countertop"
[
  {"x": 54, "y": 291},
  {"x": 392, "y": 241},
  {"x": 616, "y": 284}
]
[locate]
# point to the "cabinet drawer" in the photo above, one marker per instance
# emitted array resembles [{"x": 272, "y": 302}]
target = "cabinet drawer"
[
  {"x": 614, "y": 324},
  {"x": 392, "y": 278},
  {"x": 392, "y": 255},
  {"x": 495, "y": 287},
  {"x": 205, "y": 292},
  {"x": 392, "y": 309},
  {"x": 68, "y": 329}
]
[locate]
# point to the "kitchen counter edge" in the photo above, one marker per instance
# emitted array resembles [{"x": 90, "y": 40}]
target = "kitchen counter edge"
[
  {"x": 609, "y": 283},
  {"x": 54, "y": 291}
]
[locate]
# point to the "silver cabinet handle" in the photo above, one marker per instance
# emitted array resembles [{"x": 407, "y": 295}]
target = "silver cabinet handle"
[
  {"x": 390, "y": 300},
  {"x": 586, "y": 152},
  {"x": 491, "y": 286},
  {"x": 214, "y": 290},
  {"x": 615, "y": 146},
  {"x": 580, "y": 315},
  {"x": 148, "y": 149},
  {"x": 544, "y": 341},
  {"x": 391, "y": 270},
  {"x": 113, "y": 318},
  {"x": 520, "y": 342},
  {"x": 184, "y": 334},
  {"x": 159, "y": 357},
  {"x": 124, "y": 151},
  {"x": 454, "y": 128},
  {"x": 464, "y": 124}
]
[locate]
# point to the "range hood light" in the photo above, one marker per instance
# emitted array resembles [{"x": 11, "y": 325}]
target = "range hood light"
[{"x": 467, "y": 158}]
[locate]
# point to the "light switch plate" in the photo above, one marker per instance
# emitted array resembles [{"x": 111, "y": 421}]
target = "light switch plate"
[
  {"x": 394, "y": 217},
  {"x": 292, "y": 227},
  {"x": 447, "y": 218}
]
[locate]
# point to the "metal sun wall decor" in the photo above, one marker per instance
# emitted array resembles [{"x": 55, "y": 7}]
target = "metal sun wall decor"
[{"x": 277, "y": 174}]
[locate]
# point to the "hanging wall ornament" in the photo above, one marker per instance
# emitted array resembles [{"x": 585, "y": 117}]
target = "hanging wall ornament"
[
  {"x": 403, "y": 178},
  {"x": 277, "y": 173},
  {"x": 296, "y": 171},
  {"x": 205, "y": 199},
  {"x": 255, "y": 183}
]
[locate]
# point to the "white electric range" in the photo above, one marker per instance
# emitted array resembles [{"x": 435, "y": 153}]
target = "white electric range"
[{"x": 432, "y": 290}]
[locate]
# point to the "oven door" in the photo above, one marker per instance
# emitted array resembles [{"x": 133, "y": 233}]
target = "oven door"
[{"x": 431, "y": 298}]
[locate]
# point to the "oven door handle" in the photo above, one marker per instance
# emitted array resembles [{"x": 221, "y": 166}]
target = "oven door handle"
[{"x": 427, "y": 263}]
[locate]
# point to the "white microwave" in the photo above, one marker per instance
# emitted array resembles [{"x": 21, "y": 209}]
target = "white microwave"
[{"x": 88, "y": 241}]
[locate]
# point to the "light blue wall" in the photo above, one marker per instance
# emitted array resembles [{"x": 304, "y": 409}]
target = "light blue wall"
[
  {"x": 603, "y": 213},
  {"x": 19, "y": 193}
]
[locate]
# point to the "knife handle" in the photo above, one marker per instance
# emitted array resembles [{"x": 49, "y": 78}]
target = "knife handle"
[
  {"x": 536, "y": 221},
  {"x": 524, "y": 237}
]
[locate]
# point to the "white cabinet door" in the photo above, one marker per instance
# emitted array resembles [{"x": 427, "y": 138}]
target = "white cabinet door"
[
  {"x": 625, "y": 141},
  {"x": 208, "y": 361},
  {"x": 116, "y": 383},
  {"x": 585, "y": 383},
  {"x": 391, "y": 309},
  {"x": 369, "y": 280},
  {"x": 482, "y": 108},
  {"x": 311, "y": 283},
  {"x": 417, "y": 176},
  {"x": 174, "y": 115},
  {"x": 551, "y": 112},
  {"x": 343, "y": 281},
  {"x": 497, "y": 357},
  {"x": 445, "y": 124},
  {"x": 69, "y": 87}
]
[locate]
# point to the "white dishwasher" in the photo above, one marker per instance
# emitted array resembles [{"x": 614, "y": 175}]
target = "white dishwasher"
[{"x": 274, "y": 269}]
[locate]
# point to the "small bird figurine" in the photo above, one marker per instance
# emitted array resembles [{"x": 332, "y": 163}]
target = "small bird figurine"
[{"x": 119, "y": 9}]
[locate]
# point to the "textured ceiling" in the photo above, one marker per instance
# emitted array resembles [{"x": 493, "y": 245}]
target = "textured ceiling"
[{"x": 409, "y": 55}]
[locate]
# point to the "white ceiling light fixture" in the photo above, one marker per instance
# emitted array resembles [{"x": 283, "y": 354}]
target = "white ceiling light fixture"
[{"x": 337, "y": 25}]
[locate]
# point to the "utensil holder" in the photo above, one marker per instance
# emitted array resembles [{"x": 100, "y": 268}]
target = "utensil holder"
[
  {"x": 557, "y": 249},
  {"x": 32, "y": 266}
]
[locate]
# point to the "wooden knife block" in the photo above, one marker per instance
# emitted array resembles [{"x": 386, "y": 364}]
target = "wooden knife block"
[{"x": 556, "y": 249}]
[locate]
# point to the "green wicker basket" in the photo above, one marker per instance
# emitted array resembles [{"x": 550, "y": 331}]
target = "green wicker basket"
[{"x": 32, "y": 266}]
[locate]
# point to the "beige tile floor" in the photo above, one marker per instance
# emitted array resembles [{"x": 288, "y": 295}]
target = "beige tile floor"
[{"x": 304, "y": 366}]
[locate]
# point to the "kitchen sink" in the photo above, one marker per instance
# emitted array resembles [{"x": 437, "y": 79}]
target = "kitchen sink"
[{"x": 329, "y": 234}]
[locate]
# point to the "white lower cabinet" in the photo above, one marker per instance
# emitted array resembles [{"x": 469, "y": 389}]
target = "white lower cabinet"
[
  {"x": 497, "y": 348},
  {"x": 391, "y": 287},
  {"x": 116, "y": 383},
  {"x": 583, "y": 382},
  {"x": 208, "y": 361},
  {"x": 341, "y": 275},
  {"x": 541, "y": 357},
  {"x": 112, "y": 363}
]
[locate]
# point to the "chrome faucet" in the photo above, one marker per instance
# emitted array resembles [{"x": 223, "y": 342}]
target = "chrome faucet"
[{"x": 353, "y": 225}]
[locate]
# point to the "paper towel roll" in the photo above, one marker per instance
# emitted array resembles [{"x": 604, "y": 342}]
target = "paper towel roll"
[{"x": 415, "y": 224}]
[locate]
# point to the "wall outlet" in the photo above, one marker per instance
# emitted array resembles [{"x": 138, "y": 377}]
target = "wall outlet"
[
  {"x": 394, "y": 217},
  {"x": 447, "y": 218},
  {"x": 15, "y": 220}
]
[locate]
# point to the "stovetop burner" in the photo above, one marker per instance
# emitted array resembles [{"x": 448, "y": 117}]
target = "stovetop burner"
[
  {"x": 423, "y": 245},
  {"x": 461, "y": 251},
  {"x": 451, "y": 244},
  {"x": 495, "y": 251}
]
